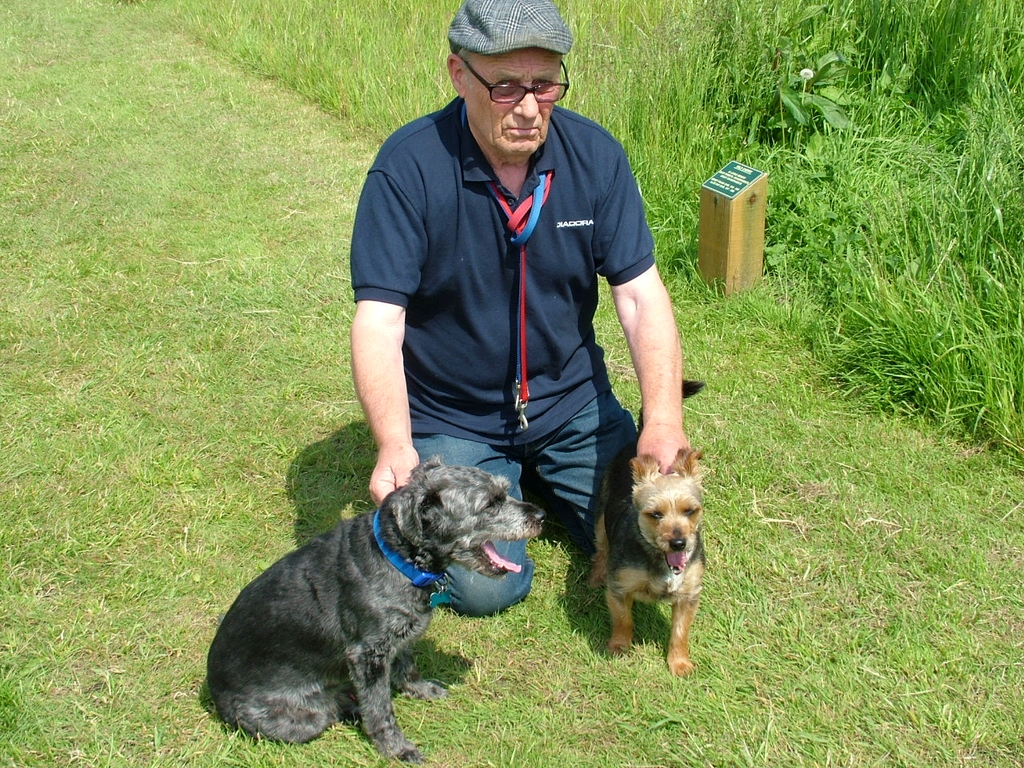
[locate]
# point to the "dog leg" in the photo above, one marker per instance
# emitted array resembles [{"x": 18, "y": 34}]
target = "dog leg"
[
  {"x": 600, "y": 567},
  {"x": 405, "y": 676},
  {"x": 371, "y": 673},
  {"x": 683, "y": 612},
  {"x": 621, "y": 610},
  {"x": 347, "y": 706}
]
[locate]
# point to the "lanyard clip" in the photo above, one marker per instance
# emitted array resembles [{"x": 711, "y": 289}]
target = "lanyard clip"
[{"x": 521, "y": 404}]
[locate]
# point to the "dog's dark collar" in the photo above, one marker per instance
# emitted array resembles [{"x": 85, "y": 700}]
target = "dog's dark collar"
[{"x": 415, "y": 575}]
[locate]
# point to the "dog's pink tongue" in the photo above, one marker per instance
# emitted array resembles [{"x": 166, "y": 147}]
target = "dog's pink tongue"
[
  {"x": 676, "y": 560},
  {"x": 500, "y": 561}
]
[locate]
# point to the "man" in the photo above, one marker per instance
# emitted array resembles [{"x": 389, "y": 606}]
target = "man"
[{"x": 480, "y": 237}]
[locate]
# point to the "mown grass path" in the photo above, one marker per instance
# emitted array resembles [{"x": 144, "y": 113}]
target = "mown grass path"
[
  {"x": 173, "y": 246},
  {"x": 176, "y": 412}
]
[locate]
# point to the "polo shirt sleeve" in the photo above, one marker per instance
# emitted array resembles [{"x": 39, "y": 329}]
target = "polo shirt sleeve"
[
  {"x": 622, "y": 236},
  {"x": 389, "y": 241}
]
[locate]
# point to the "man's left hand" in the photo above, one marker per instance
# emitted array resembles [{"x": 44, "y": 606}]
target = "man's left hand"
[{"x": 663, "y": 442}]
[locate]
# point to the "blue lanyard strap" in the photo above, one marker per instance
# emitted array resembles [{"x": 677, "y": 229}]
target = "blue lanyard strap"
[{"x": 538, "y": 203}]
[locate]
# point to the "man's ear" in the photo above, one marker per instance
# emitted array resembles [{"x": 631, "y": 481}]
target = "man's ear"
[{"x": 457, "y": 73}]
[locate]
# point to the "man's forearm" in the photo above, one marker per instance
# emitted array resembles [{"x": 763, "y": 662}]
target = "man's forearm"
[
  {"x": 378, "y": 370},
  {"x": 379, "y": 374},
  {"x": 645, "y": 312}
]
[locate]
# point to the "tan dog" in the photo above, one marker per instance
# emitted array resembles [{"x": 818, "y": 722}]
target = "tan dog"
[{"x": 649, "y": 546}]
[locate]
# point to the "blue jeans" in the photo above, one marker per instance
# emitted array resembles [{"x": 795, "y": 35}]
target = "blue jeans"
[{"x": 568, "y": 465}]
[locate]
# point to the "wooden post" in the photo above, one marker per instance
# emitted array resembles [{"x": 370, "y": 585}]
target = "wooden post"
[{"x": 730, "y": 237}]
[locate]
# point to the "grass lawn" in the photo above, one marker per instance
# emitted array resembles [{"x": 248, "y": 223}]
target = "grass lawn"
[{"x": 177, "y": 412}]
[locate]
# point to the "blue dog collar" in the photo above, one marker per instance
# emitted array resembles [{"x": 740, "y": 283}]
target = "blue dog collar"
[{"x": 415, "y": 575}]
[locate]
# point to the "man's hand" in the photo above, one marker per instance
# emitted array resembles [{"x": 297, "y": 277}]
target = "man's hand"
[
  {"x": 663, "y": 442},
  {"x": 392, "y": 471}
]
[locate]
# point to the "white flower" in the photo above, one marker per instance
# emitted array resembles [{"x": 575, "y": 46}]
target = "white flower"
[{"x": 807, "y": 74}]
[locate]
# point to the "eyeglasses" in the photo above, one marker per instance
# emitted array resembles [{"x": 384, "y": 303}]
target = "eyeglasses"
[{"x": 513, "y": 93}]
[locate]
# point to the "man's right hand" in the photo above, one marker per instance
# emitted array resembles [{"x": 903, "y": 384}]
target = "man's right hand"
[{"x": 392, "y": 471}]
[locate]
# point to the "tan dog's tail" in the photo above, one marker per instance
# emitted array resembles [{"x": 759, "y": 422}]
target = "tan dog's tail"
[{"x": 691, "y": 388}]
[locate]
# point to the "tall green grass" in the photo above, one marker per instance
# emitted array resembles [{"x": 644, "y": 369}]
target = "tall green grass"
[
  {"x": 942, "y": 47},
  {"x": 928, "y": 313},
  {"x": 377, "y": 64},
  {"x": 896, "y": 194}
]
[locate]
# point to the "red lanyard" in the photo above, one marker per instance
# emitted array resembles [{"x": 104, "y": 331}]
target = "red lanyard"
[{"x": 521, "y": 223}]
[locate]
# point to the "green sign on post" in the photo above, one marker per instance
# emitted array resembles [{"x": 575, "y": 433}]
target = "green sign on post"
[{"x": 733, "y": 179}]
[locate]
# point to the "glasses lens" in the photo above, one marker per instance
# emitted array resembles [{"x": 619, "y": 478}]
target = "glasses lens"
[
  {"x": 507, "y": 94},
  {"x": 549, "y": 92},
  {"x": 513, "y": 94}
]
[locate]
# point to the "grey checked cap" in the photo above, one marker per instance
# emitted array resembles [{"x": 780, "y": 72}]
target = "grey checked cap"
[{"x": 491, "y": 27}]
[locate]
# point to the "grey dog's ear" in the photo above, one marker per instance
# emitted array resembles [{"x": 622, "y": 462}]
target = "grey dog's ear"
[
  {"x": 416, "y": 514},
  {"x": 415, "y": 498},
  {"x": 405, "y": 505},
  {"x": 427, "y": 512},
  {"x": 433, "y": 461}
]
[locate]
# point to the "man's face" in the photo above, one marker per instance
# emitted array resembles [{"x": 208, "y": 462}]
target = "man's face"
[{"x": 508, "y": 134}]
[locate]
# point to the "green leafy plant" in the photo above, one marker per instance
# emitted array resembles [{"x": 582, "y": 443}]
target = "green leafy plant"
[
  {"x": 810, "y": 92},
  {"x": 815, "y": 93}
]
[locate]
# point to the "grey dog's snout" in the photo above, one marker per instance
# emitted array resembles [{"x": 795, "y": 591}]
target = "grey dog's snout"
[{"x": 533, "y": 512}]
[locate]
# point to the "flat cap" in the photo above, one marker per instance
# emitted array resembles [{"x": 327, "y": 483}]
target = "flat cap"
[{"x": 491, "y": 27}]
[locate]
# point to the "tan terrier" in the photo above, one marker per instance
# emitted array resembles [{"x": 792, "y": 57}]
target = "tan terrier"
[{"x": 649, "y": 546}]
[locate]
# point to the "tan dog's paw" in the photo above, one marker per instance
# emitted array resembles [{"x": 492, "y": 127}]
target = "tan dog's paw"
[
  {"x": 681, "y": 667},
  {"x": 617, "y": 646}
]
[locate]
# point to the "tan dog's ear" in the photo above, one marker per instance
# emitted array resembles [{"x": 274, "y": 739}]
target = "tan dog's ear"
[
  {"x": 645, "y": 470},
  {"x": 686, "y": 462}
]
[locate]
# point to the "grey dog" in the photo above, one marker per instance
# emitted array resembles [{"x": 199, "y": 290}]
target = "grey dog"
[{"x": 327, "y": 631}]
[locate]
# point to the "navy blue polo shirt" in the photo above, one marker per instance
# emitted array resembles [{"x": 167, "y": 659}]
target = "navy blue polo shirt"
[{"x": 429, "y": 236}]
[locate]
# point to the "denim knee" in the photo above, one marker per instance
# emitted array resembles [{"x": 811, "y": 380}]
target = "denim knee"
[
  {"x": 568, "y": 471},
  {"x": 474, "y": 594}
]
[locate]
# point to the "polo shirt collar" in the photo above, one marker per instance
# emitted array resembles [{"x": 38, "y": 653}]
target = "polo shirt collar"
[{"x": 476, "y": 168}]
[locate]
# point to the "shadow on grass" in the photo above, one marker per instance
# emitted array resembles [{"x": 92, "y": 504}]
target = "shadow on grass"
[
  {"x": 585, "y": 607},
  {"x": 329, "y": 480}
]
